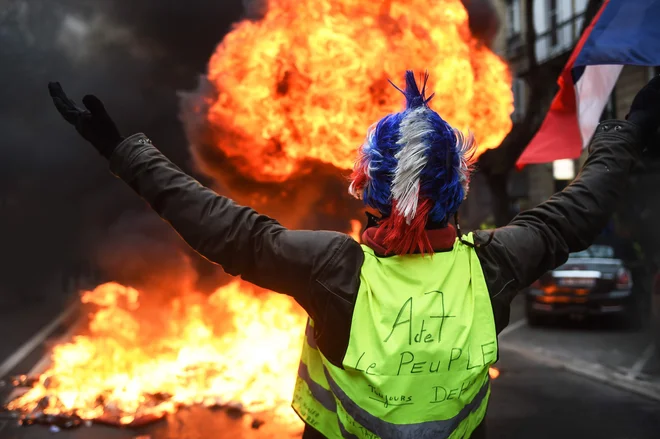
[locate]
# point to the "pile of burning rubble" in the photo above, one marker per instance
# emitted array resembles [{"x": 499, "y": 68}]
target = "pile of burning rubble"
[
  {"x": 51, "y": 412},
  {"x": 235, "y": 350}
]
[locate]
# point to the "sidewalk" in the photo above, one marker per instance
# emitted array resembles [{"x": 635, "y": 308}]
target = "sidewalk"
[{"x": 534, "y": 400}]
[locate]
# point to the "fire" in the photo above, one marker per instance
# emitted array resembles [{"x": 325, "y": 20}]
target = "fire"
[
  {"x": 305, "y": 82},
  {"x": 240, "y": 345},
  {"x": 356, "y": 226}
]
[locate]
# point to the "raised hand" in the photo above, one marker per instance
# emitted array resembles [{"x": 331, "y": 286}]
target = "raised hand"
[{"x": 93, "y": 123}]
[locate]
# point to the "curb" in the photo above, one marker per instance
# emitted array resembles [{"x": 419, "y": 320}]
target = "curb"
[
  {"x": 44, "y": 362},
  {"x": 593, "y": 371},
  {"x": 38, "y": 339}
]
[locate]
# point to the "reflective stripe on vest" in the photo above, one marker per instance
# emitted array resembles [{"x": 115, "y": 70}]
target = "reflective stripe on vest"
[
  {"x": 422, "y": 340},
  {"x": 325, "y": 397},
  {"x": 312, "y": 399},
  {"x": 436, "y": 429}
]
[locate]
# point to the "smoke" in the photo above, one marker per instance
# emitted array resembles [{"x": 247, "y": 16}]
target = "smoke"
[
  {"x": 139, "y": 254},
  {"x": 484, "y": 22},
  {"x": 57, "y": 199}
]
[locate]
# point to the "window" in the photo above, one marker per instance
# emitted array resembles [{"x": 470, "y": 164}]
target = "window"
[
  {"x": 580, "y": 6},
  {"x": 558, "y": 24},
  {"x": 519, "y": 96},
  {"x": 514, "y": 41},
  {"x": 513, "y": 18},
  {"x": 553, "y": 16}
]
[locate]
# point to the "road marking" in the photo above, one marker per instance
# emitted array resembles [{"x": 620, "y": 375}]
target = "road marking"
[
  {"x": 35, "y": 341},
  {"x": 41, "y": 365},
  {"x": 637, "y": 368},
  {"x": 512, "y": 327},
  {"x": 45, "y": 361}
]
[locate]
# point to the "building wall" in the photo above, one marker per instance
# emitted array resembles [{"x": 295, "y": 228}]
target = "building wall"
[
  {"x": 541, "y": 184},
  {"x": 568, "y": 29},
  {"x": 499, "y": 44},
  {"x": 632, "y": 79}
]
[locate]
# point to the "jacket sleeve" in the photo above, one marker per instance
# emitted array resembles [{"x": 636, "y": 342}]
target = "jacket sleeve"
[
  {"x": 239, "y": 239},
  {"x": 541, "y": 239}
]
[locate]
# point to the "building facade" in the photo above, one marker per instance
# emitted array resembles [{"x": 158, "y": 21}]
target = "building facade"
[{"x": 557, "y": 28}]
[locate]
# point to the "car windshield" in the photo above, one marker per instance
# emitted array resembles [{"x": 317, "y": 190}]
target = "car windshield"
[{"x": 595, "y": 251}]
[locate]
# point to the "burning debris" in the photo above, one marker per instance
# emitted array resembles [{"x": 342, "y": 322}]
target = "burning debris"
[
  {"x": 234, "y": 351},
  {"x": 67, "y": 420},
  {"x": 22, "y": 381}
]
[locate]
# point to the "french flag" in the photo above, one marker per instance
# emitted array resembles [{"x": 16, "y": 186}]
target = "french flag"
[{"x": 623, "y": 32}]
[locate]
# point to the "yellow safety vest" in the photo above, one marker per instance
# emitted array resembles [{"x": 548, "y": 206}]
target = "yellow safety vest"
[{"x": 421, "y": 343}]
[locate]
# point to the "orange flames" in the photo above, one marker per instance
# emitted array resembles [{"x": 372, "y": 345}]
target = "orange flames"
[
  {"x": 239, "y": 345},
  {"x": 356, "y": 226},
  {"x": 306, "y": 82}
]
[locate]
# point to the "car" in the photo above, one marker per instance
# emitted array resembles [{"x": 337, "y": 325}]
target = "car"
[{"x": 591, "y": 282}]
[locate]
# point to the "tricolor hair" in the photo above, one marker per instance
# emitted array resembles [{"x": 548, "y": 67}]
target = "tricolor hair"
[{"x": 414, "y": 168}]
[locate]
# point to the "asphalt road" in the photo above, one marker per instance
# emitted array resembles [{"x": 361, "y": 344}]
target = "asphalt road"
[
  {"x": 542, "y": 391},
  {"x": 597, "y": 347},
  {"x": 541, "y": 402}
]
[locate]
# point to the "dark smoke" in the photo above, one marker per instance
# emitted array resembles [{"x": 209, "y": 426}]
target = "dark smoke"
[
  {"x": 484, "y": 22},
  {"x": 57, "y": 199}
]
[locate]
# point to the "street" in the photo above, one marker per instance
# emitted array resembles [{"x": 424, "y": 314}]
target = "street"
[
  {"x": 596, "y": 348},
  {"x": 576, "y": 380},
  {"x": 535, "y": 401}
]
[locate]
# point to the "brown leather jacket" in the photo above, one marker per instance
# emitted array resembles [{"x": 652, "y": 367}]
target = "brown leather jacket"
[{"x": 321, "y": 269}]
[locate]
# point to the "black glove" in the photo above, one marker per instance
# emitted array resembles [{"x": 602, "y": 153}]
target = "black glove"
[
  {"x": 645, "y": 109},
  {"x": 93, "y": 124}
]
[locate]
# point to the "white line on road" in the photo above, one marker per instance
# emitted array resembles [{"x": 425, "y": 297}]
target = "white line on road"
[
  {"x": 45, "y": 361},
  {"x": 512, "y": 327},
  {"x": 637, "y": 368},
  {"x": 35, "y": 341}
]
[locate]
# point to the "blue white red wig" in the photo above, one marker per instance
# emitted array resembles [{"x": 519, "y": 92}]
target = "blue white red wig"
[{"x": 414, "y": 168}]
